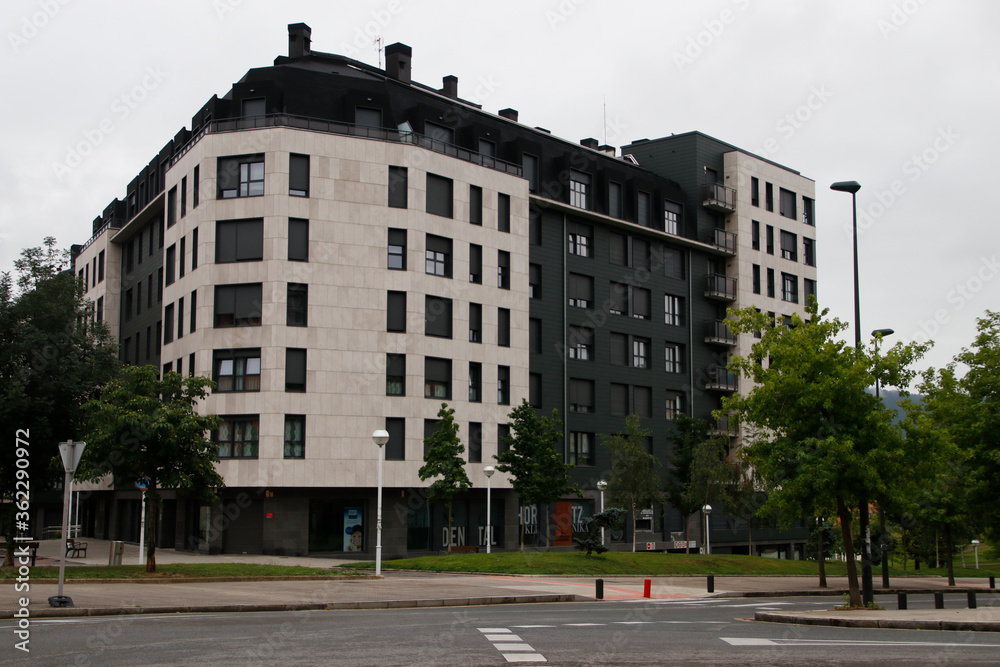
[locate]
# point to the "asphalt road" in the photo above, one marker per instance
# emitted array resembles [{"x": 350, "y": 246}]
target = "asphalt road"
[{"x": 706, "y": 631}]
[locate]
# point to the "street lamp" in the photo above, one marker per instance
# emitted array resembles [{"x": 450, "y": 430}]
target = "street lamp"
[
  {"x": 878, "y": 334},
  {"x": 71, "y": 453},
  {"x": 379, "y": 437},
  {"x": 867, "y": 593},
  {"x": 601, "y": 485},
  {"x": 707, "y": 510},
  {"x": 975, "y": 547},
  {"x": 488, "y": 471}
]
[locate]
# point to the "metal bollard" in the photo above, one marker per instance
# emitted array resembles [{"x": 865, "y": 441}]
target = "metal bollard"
[
  {"x": 901, "y": 600},
  {"x": 646, "y": 588},
  {"x": 939, "y": 600},
  {"x": 972, "y": 599},
  {"x": 600, "y": 589},
  {"x": 993, "y": 581},
  {"x": 711, "y": 583}
]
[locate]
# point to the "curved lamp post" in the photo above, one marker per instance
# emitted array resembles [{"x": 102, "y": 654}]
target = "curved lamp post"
[
  {"x": 488, "y": 471},
  {"x": 601, "y": 486},
  {"x": 707, "y": 510},
  {"x": 379, "y": 437}
]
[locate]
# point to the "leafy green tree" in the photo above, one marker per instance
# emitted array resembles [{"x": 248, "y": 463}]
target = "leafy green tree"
[
  {"x": 606, "y": 519},
  {"x": 538, "y": 473},
  {"x": 443, "y": 458},
  {"x": 53, "y": 358},
  {"x": 817, "y": 437},
  {"x": 146, "y": 427},
  {"x": 635, "y": 473}
]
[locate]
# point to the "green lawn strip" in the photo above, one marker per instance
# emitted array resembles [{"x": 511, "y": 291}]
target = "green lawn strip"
[{"x": 178, "y": 571}]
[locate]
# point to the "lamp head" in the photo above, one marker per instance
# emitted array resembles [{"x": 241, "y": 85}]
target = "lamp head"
[
  {"x": 380, "y": 437},
  {"x": 489, "y": 470},
  {"x": 707, "y": 509},
  {"x": 846, "y": 186},
  {"x": 883, "y": 332},
  {"x": 601, "y": 485}
]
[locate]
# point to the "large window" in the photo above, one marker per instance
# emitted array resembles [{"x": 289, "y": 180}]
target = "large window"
[
  {"x": 437, "y": 316},
  {"x": 503, "y": 269},
  {"x": 238, "y": 305},
  {"x": 640, "y": 352},
  {"x": 580, "y": 290},
  {"x": 297, "y": 311},
  {"x": 671, "y": 218},
  {"x": 535, "y": 335},
  {"x": 298, "y": 175},
  {"x": 754, "y": 191},
  {"x": 298, "y": 240},
  {"x": 615, "y": 200},
  {"x": 368, "y": 117},
  {"x": 808, "y": 211},
  {"x": 239, "y": 240},
  {"x": 642, "y": 402},
  {"x": 769, "y": 196},
  {"x": 503, "y": 385},
  {"x": 579, "y": 184},
  {"x": 674, "y": 405},
  {"x": 475, "y": 263},
  {"x": 581, "y": 449},
  {"x": 475, "y": 382},
  {"x": 673, "y": 263},
  {"x": 529, "y": 167},
  {"x": 503, "y": 327},
  {"x": 475, "y": 323},
  {"x": 437, "y": 378},
  {"x": 295, "y": 369},
  {"x": 170, "y": 264},
  {"x": 808, "y": 288},
  {"x": 618, "y": 301},
  {"x": 396, "y": 312},
  {"x": 395, "y": 449},
  {"x": 769, "y": 240},
  {"x": 787, "y": 202},
  {"x": 534, "y": 281},
  {"x": 755, "y": 234},
  {"x": 395, "y": 375},
  {"x": 440, "y": 197},
  {"x": 438, "y": 256},
  {"x": 619, "y": 404},
  {"x": 397, "y": 249},
  {"x": 618, "y": 249},
  {"x": 581, "y": 395},
  {"x": 770, "y": 283},
  {"x": 674, "y": 355},
  {"x": 581, "y": 239},
  {"x": 809, "y": 250},
  {"x": 475, "y": 205},
  {"x": 503, "y": 212},
  {"x": 238, "y": 436},
  {"x": 295, "y": 436},
  {"x": 168, "y": 324},
  {"x": 581, "y": 343},
  {"x": 673, "y": 309},
  {"x": 535, "y": 390},
  {"x": 241, "y": 176},
  {"x": 171, "y": 215},
  {"x": 789, "y": 246},
  {"x": 756, "y": 278},
  {"x": 475, "y": 442},
  {"x": 789, "y": 288},
  {"x": 236, "y": 370},
  {"x": 398, "y": 183}
]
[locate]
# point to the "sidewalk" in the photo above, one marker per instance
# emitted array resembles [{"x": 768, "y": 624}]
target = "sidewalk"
[{"x": 411, "y": 589}]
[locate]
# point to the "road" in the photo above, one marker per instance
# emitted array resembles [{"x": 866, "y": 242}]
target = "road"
[{"x": 708, "y": 631}]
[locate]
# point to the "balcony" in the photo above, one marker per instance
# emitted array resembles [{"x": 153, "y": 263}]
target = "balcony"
[
  {"x": 726, "y": 426},
  {"x": 718, "y": 197},
  {"x": 718, "y": 378},
  {"x": 719, "y": 333},
  {"x": 724, "y": 241},
  {"x": 720, "y": 287}
]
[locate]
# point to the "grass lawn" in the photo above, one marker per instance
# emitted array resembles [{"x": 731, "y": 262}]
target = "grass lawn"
[{"x": 179, "y": 571}]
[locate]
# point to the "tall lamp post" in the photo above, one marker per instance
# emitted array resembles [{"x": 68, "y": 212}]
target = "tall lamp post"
[
  {"x": 71, "y": 453},
  {"x": 379, "y": 437},
  {"x": 878, "y": 334},
  {"x": 601, "y": 486},
  {"x": 488, "y": 471},
  {"x": 867, "y": 591},
  {"x": 975, "y": 547},
  {"x": 707, "y": 510}
]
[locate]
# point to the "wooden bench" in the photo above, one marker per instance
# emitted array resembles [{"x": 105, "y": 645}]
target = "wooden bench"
[
  {"x": 76, "y": 547},
  {"x": 32, "y": 546}
]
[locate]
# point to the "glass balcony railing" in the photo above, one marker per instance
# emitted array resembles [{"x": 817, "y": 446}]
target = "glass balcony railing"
[
  {"x": 718, "y": 197},
  {"x": 720, "y": 287},
  {"x": 720, "y": 379},
  {"x": 724, "y": 241},
  {"x": 719, "y": 333}
]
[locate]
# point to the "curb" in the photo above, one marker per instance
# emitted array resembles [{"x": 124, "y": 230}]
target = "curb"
[
  {"x": 843, "y": 591},
  {"x": 887, "y": 623},
  {"x": 205, "y": 580},
  {"x": 63, "y": 612}
]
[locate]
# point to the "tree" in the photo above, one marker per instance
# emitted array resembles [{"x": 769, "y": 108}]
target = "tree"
[
  {"x": 146, "y": 427},
  {"x": 538, "y": 473},
  {"x": 601, "y": 520},
  {"x": 53, "y": 359},
  {"x": 817, "y": 437},
  {"x": 635, "y": 473},
  {"x": 443, "y": 458}
]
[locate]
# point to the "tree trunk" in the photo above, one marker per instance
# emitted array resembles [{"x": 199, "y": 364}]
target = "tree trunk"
[
  {"x": 750, "y": 536},
  {"x": 152, "y": 510},
  {"x": 854, "y": 592},
  {"x": 449, "y": 528},
  {"x": 949, "y": 548},
  {"x": 687, "y": 533},
  {"x": 522, "y": 527},
  {"x": 821, "y": 556},
  {"x": 633, "y": 527}
]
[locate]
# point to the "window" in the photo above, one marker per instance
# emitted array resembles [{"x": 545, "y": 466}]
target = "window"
[
  {"x": 149, "y": 290},
  {"x": 534, "y": 228},
  {"x": 529, "y": 167},
  {"x": 398, "y": 184},
  {"x": 640, "y": 303},
  {"x": 581, "y": 290},
  {"x": 755, "y": 234},
  {"x": 437, "y": 378},
  {"x": 171, "y": 214},
  {"x": 581, "y": 449},
  {"x": 754, "y": 191},
  {"x": 535, "y": 335},
  {"x": 673, "y": 263},
  {"x": 367, "y": 117},
  {"x": 808, "y": 288},
  {"x": 100, "y": 266},
  {"x": 395, "y": 375},
  {"x": 789, "y": 246},
  {"x": 128, "y": 259},
  {"x": 236, "y": 370},
  {"x": 674, "y": 355},
  {"x": 475, "y": 205},
  {"x": 256, "y": 106},
  {"x": 297, "y": 308},
  {"x": 100, "y": 309},
  {"x": 241, "y": 176},
  {"x": 239, "y": 240},
  {"x": 170, "y": 263},
  {"x": 619, "y": 349},
  {"x": 809, "y": 251},
  {"x": 437, "y": 260},
  {"x": 503, "y": 212},
  {"x": 640, "y": 352},
  {"x": 581, "y": 395},
  {"x": 159, "y": 285},
  {"x": 503, "y": 269},
  {"x": 642, "y": 402},
  {"x": 298, "y": 175},
  {"x": 183, "y": 254},
  {"x": 808, "y": 211},
  {"x": 190, "y": 362},
  {"x": 475, "y": 263},
  {"x": 535, "y": 390},
  {"x": 769, "y": 196},
  {"x": 618, "y": 249},
  {"x": 672, "y": 310},
  {"x": 437, "y": 316},
  {"x": 615, "y": 200},
  {"x": 430, "y": 427},
  {"x": 534, "y": 281},
  {"x": 618, "y": 300},
  {"x": 579, "y": 183},
  {"x": 487, "y": 148},
  {"x": 770, "y": 283},
  {"x": 194, "y": 309},
  {"x": 396, "y": 312},
  {"x": 475, "y": 442},
  {"x": 618, "y": 405},
  {"x": 237, "y": 437},
  {"x": 789, "y": 288},
  {"x": 503, "y": 438},
  {"x": 298, "y": 240},
  {"x": 295, "y": 436},
  {"x": 238, "y": 305},
  {"x": 756, "y": 278},
  {"x": 194, "y": 249},
  {"x": 786, "y": 203},
  {"x": 475, "y": 382},
  {"x": 180, "y": 319},
  {"x": 439, "y": 132},
  {"x": 168, "y": 324},
  {"x": 503, "y": 385},
  {"x": 128, "y": 305},
  {"x": 672, "y": 218},
  {"x": 674, "y": 405},
  {"x": 159, "y": 336},
  {"x": 643, "y": 209},
  {"x": 475, "y": 323},
  {"x": 195, "y": 188},
  {"x": 397, "y": 249},
  {"x": 580, "y": 239},
  {"x": 770, "y": 240},
  {"x": 503, "y": 327},
  {"x": 295, "y": 369},
  {"x": 581, "y": 343},
  {"x": 640, "y": 254},
  {"x": 440, "y": 200},
  {"x": 395, "y": 449},
  {"x": 184, "y": 191}
]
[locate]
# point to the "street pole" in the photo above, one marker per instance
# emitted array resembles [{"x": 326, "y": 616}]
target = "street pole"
[
  {"x": 142, "y": 529},
  {"x": 379, "y": 437},
  {"x": 707, "y": 509},
  {"x": 878, "y": 334},
  {"x": 488, "y": 471},
  {"x": 601, "y": 485},
  {"x": 70, "y": 452}
]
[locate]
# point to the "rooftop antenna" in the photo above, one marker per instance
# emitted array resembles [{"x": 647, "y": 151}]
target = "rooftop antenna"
[
  {"x": 378, "y": 43},
  {"x": 605, "y": 99}
]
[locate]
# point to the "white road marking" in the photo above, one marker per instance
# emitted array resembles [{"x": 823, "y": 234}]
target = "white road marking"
[
  {"x": 758, "y": 641},
  {"x": 583, "y": 625},
  {"x": 514, "y": 647},
  {"x": 633, "y": 622},
  {"x": 504, "y": 638},
  {"x": 532, "y": 626},
  {"x": 493, "y": 630},
  {"x": 524, "y": 657}
]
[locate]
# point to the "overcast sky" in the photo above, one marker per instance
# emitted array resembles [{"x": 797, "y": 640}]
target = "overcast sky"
[{"x": 901, "y": 96}]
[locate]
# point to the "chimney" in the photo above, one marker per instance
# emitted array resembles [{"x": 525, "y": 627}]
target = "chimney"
[
  {"x": 299, "y": 39},
  {"x": 509, "y": 114},
  {"x": 450, "y": 88},
  {"x": 589, "y": 143},
  {"x": 610, "y": 150},
  {"x": 397, "y": 61}
]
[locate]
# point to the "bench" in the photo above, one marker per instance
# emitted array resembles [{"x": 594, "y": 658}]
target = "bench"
[
  {"x": 32, "y": 546},
  {"x": 76, "y": 547}
]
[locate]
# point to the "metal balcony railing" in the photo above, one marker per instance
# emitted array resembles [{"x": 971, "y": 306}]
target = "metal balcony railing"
[
  {"x": 720, "y": 379},
  {"x": 719, "y": 333},
  {"x": 725, "y": 241},
  {"x": 718, "y": 197},
  {"x": 719, "y": 286}
]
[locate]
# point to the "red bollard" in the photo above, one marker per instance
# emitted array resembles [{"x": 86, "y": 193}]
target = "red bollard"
[{"x": 646, "y": 588}]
